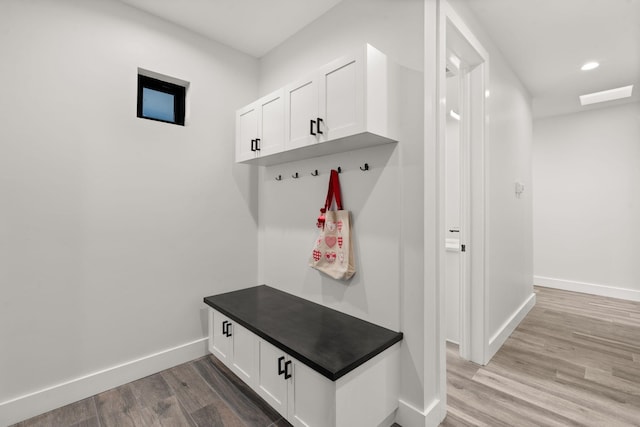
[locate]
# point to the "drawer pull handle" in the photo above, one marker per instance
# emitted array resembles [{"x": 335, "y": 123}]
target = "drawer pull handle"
[
  {"x": 228, "y": 331},
  {"x": 313, "y": 122},
  {"x": 253, "y": 148},
  {"x": 287, "y": 375},
  {"x": 258, "y": 144},
  {"x": 224, "y": 327},
  {"x": 281, "y": 370},
  {"x": 318, "y": 127}
]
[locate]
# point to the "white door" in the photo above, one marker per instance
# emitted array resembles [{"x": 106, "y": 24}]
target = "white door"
[
  {"x": 341, "y": 99},
  {"x": 243, "y": 343},
  {"x": 271, "y": 124},
  {"x": 246, "y": 133},
  {"x": 311, "y": 397},
  {"x": 271, "y": 384},
  {"x": 221, "y": 346},
  {"x": 301, "y": 113}
]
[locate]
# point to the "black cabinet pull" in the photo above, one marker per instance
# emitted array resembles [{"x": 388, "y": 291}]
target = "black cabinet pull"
[
  {"x": 319, "y": 121},
  {"x": 257, "y": 144},
  {"x": 224, "y": 327},
  {"x": 228, "y": 333},
  {"x": 281, "y": 370},
  {"x": 313, "y": 122},
  {"x": 253, "y": 148},
  {"x": 287, "y": 375}
]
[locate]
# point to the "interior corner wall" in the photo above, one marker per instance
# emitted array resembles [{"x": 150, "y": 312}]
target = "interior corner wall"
[
  {"x": 386, "y": 201},
  {"x": 587, "y": 201},
  {"x": 112, "y": 228},
  {"x": 509, "y": 227}
]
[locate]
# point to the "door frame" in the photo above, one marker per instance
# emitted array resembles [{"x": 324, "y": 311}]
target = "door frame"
[{"x": 456, "y": 36}]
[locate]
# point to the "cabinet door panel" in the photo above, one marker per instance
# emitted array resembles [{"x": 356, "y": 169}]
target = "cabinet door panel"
[
  {"x": 301, "y": 106},
  {"x": 243, "y": 354},
  {"x": 221, "y": 346},
  {"x": 342, "y": 98},
  {"x": 246, "y": 130},
  {"x": 271, "y": 124},
  {"x": 311, "y": 398},
  {"x": 271, "y": 386}
]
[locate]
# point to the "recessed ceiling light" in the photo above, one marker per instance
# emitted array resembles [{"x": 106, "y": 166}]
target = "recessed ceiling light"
[
  {"x": 590, "y": 66},
  {"x": 454, "y": 115},
  {"x": 606, "y": 95}
]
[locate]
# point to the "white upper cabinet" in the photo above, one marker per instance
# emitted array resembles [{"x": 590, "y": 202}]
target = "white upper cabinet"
[
  {"x": 301, "y": 107},
  {"x": 341, "y": 102},
  {"x": 345, "y": 105},
  {"x": 260, "y": 128}
]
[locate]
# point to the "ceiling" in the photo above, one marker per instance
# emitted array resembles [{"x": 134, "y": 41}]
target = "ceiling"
[
  {"x": 250, "y": 26},
  {"x": 545, "y": 41}
]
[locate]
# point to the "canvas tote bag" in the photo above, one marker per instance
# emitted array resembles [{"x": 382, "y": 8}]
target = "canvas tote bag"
[{"x": 333, "y": 251}]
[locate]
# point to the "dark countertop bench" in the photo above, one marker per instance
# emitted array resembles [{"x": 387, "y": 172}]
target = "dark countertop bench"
[{"x": 328, "y": 341}]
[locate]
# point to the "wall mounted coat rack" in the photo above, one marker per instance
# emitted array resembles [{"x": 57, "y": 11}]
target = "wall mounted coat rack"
[{"x": 315, "y": 172}]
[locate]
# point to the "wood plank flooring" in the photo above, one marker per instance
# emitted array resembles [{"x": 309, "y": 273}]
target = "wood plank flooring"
[
  {"x": 201, "y": 393},
  {"x": 573, "y": 361}
]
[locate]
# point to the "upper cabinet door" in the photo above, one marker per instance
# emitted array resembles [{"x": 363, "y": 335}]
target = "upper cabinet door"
[
  {"x": 341, "y": 100},
  {"x": 246, "y": 132},
  {"x": 271, "y": 124},
  {"x": 301, "y": 107}
]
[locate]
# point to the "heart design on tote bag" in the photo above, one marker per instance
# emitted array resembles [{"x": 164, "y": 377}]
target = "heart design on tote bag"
[
  {"x": 317, "y": 255},
  {"x": 331, "y": 256},
  {"x": 331, "y": 226},
  {"x": 340, "y": 226},
  {"x": 340, "y": 242},
  {"x": 330, "y": 241}
]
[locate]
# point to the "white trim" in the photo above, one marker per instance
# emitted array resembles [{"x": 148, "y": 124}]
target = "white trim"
[
  {"x": 509, "y": 326},
  {"x": 410, "y": 416},
  {"x": 474, "y": 227},
  {"x": 588, "y": 288},
  {"x": 55, "y": 396}
]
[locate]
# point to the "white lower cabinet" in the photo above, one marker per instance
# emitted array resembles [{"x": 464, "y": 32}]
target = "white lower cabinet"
[
  {"x": 364, "y": 397},
  {"x": 297, "y": 392},
  {"x": 234, "y": 345}
]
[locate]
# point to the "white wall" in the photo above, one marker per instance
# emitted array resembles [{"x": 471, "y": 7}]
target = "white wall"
[
  {"x": 386, "y": 202},
  {"x": 587, "y": 201},
  {"x": 112, "y": 228},
  {"x": 509, "y": 236}
]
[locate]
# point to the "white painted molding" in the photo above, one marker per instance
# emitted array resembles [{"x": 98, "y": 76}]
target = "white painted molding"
[
  {"x": 588, "y": 288},
  {"x": 509, "y": 326},
  {"x": 410, "y": 416},
  {"x": 46, "y": 399}
]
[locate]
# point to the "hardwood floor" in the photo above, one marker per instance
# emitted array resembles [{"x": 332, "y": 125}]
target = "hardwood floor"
[
  {"x": 202, "y": 393},
  {"x": 574, "y": 360}
]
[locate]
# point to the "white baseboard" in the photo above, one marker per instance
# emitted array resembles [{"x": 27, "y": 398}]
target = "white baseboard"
[
  {"x": 46, "y": 399},
  {"x": 588, "y": 288},
  {"x": 410, "y": 416},
  {"x": 509, "y": 326}
]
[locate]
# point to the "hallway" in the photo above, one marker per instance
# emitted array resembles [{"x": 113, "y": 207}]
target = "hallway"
[{"x": 574, "y": 360}]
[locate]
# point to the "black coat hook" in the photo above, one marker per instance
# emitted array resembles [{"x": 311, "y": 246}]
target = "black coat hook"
[
  {"x": 295, "y": 176},
  {"x": 314, "y": 173},
  {"x": 365, "y": 168},
  {"x": 279, "y": 178},
  {"x": 339, "y": 169}
]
